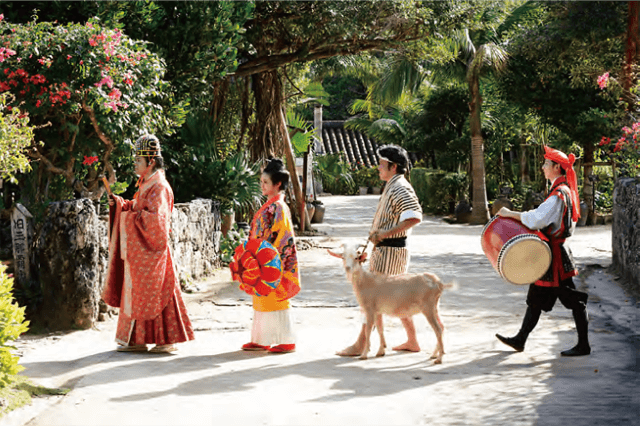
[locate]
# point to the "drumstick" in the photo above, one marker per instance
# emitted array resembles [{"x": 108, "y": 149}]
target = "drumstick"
[{"x": 106, "y": 185}]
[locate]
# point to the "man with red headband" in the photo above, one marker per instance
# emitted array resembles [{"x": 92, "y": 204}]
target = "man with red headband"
[
  {"x": 556, "y": 218},
  {"x": 141, "y": 279}
]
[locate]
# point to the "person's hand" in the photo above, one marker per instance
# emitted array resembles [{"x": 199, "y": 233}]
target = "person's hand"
[
  {"x": 504, "y": 212},
  {"x": 112, "y": 199},
  {"x": 375, "y": 237}
]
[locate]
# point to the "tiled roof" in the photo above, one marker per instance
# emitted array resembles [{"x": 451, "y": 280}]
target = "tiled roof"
[{"x": 357, "y": 146}]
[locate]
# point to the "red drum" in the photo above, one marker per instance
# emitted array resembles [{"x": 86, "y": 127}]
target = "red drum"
[{"x": 516, "y": 252}]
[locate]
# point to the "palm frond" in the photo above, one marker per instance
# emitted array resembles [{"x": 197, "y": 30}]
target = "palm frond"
[{"x": 403, "y": 75}]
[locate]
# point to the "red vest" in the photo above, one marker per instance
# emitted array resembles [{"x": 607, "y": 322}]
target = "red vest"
[{"x": 562, "y": 264}]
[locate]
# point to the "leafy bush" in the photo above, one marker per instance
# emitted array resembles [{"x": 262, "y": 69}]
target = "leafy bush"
[
  {"x": 437, "y": 189},
  {"x": 12, "y": 324},
  {"x": 84, "y": 87},
  {"x": 335, "y": 174},
  {"x": 228, "y": 244},
  {"x": 367, "y": 177},
  {"x": 234, "y": 182}
]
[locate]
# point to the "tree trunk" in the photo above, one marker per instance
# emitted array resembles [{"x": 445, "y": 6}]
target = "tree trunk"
[
  {"x": 480, "y": 208},
  {"x": 291, "y": 166},
  {"x": 632, "y": 52},
  {"x": 524, "y": 165},
  {"x": 588, "y": 192}
]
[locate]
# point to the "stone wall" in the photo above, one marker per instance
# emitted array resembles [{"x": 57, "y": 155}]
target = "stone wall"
[
  {"x": 626, "y": 230},
  {"x": 71, "y": 251}
]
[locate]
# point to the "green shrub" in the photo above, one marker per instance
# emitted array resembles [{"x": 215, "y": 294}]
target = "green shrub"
[
  {"x": 437, "y": 190},
  {"x": 229, "y": 243},
  {"x": 12, "y": 325},
  {"x": 335, "y": 174}
]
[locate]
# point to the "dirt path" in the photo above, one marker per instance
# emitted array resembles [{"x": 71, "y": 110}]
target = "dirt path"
[{"x": 210, "y": 381}]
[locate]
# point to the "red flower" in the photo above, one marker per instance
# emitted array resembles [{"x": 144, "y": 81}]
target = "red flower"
[
  {"x": 89, "y": 160},
  {"x": 604, "y": 141}
]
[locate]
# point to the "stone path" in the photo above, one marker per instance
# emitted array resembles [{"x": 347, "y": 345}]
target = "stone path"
[{"x": 481, "y": 382}]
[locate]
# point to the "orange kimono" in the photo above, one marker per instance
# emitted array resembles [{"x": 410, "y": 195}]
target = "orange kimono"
[
  {"x": 141, "y": 279},
  {"x": 272, "y": 321}
]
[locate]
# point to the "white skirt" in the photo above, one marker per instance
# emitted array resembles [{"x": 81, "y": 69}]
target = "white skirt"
[{"x": 272, "y": 328}]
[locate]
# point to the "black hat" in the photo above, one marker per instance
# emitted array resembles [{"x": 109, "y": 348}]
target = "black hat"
[{"x": 394, "y": 154}]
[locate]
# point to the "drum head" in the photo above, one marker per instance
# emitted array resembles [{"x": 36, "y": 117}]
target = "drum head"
[{"x": 524, "y": 259}]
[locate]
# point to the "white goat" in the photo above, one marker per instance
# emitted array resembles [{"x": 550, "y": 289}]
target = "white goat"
[{"x": 397, "y": 295}]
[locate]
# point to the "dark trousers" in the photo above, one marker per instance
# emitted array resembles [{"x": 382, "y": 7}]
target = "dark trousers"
[{"x": 544, "y": 298}]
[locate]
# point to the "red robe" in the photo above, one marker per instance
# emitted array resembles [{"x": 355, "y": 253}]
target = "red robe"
[{"x": 141, "y": 278}]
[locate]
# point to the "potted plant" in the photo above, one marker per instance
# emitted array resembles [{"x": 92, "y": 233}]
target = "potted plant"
[
  {"x": 335, "y": 174},
  {"x": 373, "y": 179},
  {"x": 361, "y": 179},
  {"x": 235, "y": 183}
]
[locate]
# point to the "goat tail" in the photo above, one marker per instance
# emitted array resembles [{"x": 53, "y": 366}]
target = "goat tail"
[{"x": 453, "y": 286}]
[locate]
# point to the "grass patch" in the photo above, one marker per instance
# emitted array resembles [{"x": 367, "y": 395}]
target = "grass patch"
[{"x": 20, "y": 392}]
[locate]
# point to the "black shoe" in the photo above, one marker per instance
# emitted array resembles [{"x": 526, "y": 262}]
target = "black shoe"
[
  {"x": 577, "y": 350},
  {"x": 515, "y": 342}
]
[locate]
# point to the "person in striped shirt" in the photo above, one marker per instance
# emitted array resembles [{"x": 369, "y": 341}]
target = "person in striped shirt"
[{"x": 397, "y": 212}]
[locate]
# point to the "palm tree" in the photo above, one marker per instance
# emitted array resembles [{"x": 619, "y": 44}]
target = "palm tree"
[
  {"x": 473, "y": 54},
  {"x": 488, "y": 56}
]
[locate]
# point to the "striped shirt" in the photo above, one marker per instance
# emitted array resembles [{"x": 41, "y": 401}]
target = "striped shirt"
[{"x": 398, "y": 203}]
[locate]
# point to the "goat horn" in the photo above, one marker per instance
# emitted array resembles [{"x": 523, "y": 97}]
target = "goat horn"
[{"x": 339, "y": 256}]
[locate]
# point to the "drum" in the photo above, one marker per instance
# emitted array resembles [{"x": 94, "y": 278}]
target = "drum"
[{"x": 516, "y": 252}]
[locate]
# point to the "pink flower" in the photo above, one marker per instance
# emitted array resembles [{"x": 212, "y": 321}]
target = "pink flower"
[
  {"x": 115, "y": 94},
  {"x": 603, "y": 80},
  {"x": 69, "y": 57},
  {"x": 89, "y": 160},
  {"x": 113, "y": 105},
  {"x": 105, "y": 80},
  {"x": 1, "y": 16}
]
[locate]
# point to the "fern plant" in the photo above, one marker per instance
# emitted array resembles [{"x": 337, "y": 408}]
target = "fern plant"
[{"x": 12, "y": 325}]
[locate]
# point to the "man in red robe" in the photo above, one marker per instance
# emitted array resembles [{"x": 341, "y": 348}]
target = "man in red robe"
[{"x": 141, "y": 278}]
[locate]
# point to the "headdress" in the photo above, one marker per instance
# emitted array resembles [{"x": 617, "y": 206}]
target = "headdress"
[
  {"x": 394, "y": 154},
  {"x": 148, "y": 146},
  {"x": 566, "y": 162}
]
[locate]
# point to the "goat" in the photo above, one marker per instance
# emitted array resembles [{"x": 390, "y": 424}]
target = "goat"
[{"x": 397, "y": 295}]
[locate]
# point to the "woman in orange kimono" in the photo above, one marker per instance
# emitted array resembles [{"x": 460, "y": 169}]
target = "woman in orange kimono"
[
  {"x": 141, "y": 279},
  {"x": 272, "y": 328}
]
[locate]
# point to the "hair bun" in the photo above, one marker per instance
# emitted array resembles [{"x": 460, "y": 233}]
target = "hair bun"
[{"x": 274, "y": 165}]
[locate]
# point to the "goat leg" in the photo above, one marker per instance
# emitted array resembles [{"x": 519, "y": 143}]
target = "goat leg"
[
  {"x": 383, "y": 343},
  {"x": 371, "y": 317}
]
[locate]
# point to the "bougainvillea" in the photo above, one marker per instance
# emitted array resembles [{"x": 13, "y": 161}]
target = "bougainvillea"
[{"x": 89, "y": 90}]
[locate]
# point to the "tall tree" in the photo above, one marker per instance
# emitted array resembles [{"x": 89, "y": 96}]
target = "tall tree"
[{"x": 559, "y": 84}]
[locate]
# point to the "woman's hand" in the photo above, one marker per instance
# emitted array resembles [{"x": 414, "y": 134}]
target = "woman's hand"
[{"x": 112, "y": 199}]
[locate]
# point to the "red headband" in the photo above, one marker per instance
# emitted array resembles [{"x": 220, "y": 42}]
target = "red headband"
[{"x": 566, "y": 162}]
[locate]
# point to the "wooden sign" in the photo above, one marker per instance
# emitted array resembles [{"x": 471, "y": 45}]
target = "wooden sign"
[{"x": 20, "y": 236}]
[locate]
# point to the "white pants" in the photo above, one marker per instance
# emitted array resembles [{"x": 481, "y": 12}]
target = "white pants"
[{"x": 272, "y": 328}]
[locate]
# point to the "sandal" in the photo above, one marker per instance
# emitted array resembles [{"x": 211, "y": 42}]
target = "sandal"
[
  {"x": 254, "y": 347},
  {"x": 132, "y": 348},
  {"x": 283, "y": 349},
  {"x": 163, "y": 349}
]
